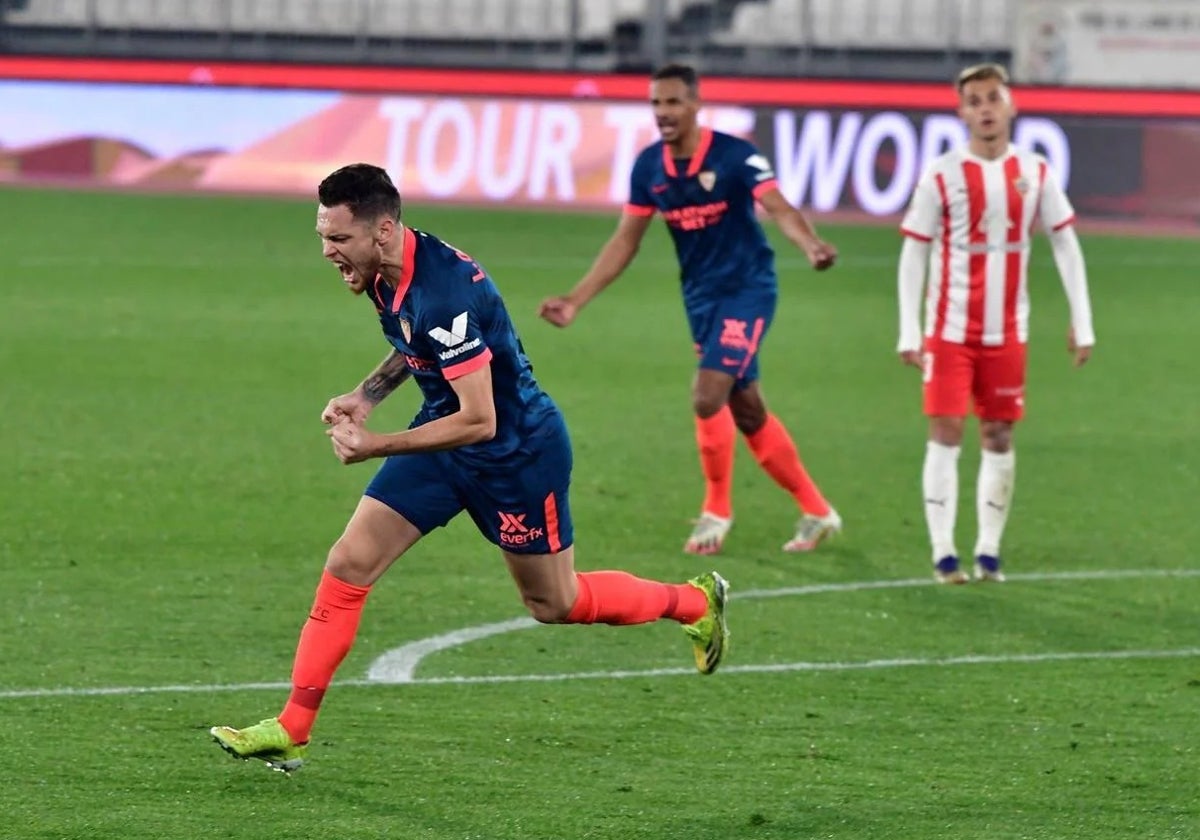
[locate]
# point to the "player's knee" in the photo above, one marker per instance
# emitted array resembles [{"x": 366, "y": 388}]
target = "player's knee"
[
  {"x": 997, "y": 437},
  {"x": 707, "y": 404},
  {"x": 350, "y": 563},
  {"x": 547, "y": 609},
  {"x": 948, "y": 431}
]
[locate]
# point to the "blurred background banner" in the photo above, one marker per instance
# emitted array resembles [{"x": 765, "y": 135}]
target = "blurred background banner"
[
  {"x": 564, "y": 152},
  {"x": 1148, "y": 43}
]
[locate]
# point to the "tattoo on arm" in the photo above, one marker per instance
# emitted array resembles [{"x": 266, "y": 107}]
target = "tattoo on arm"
[{"x": 386, "y": 378}]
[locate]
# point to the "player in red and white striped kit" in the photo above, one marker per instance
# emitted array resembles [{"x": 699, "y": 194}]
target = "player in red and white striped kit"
[{"x": 970, "y": 226}]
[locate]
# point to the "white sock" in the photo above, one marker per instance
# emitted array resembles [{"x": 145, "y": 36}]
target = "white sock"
[
  {"x": 997, "y": 474},
  {"x": 939, "y": 482}
]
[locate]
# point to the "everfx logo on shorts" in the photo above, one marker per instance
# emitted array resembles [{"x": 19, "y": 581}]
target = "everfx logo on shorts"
[{"x": 514, "y": 531}]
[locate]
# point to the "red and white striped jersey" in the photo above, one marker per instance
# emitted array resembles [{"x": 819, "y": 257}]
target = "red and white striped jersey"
[{"x": 978, "y": 216}]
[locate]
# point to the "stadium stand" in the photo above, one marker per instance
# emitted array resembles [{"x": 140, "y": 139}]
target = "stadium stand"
[{"x": 772, "y": 36}]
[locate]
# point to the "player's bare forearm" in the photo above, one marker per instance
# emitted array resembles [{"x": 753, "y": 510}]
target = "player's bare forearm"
[
  {"x": 796, "y": 227},
  {"x": 616, "y": 255},
  {"x": 449, "y": 432},
  {"x": 474, "y": 422},
  {"x": 613, "y": 259},
  {"x": 799, "y": 231},
  {"x": 386, "y": 378}
]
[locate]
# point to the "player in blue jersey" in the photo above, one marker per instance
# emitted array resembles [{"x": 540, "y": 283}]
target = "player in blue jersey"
[
  {"x": 486, "y": 440},
  {"x": 705, "y": 185}
]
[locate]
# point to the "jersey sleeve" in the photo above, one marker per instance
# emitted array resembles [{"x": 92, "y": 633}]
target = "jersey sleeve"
[
  {"x": 754, "y": 170},
  {"x": 454, "y": 328},
  {"x": 640, "y": 203},
  {"x": 1054, "y": 206},
  {"x": 924, "y": 210}
]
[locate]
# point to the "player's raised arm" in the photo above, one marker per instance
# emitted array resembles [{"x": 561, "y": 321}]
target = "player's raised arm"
[
  {"x": 821, "y": 255},
  {"x": 613, "y": 259},
  {"x": 357, "y": 404}
]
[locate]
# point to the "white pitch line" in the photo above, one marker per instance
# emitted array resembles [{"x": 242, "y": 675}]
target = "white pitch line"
[
  {"x": 774, "y": 668},
  {"x": 862, "y": 586},
  {"x": 398, "y": 666},
  {"x": 790, "y": 667}
]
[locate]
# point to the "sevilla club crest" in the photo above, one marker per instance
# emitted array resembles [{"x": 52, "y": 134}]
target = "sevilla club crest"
[
  {"x": 406, "y": 329},
  {"x": 707, "y": 180}
]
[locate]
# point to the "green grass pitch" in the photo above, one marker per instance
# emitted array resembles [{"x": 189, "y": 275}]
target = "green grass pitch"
[{"x": 168, "y": 497}]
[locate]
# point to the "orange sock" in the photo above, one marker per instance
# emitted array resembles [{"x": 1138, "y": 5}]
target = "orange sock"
[
  {"x": 777, "y": 455},
  {"x": 621, "y": 598},
  {"x": 716, "y": 437},
  {"x": 324, "y": 643}
]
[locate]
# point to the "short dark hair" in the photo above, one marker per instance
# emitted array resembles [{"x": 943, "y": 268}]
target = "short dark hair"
[
  {"x": 684, "y": 72},
  {"x": 981, "y": 73},
  {"x": 366, "y": 189}
]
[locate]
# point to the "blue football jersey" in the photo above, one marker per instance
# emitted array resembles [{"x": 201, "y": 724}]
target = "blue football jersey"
[
  {"x": 447, "y": 319},
  {"x": 708, "y": 202}
]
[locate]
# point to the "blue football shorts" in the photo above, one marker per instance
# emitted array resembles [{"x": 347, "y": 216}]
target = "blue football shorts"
[
  {"x": 520, "y": 504},
  {"x": 728, "y": 332}
]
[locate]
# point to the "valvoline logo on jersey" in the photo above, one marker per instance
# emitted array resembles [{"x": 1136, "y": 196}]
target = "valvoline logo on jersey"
[
  {"x": 447, "y": 355},
  {"x": 514, "y": 531},
  {"x": 455, "y": 338}
]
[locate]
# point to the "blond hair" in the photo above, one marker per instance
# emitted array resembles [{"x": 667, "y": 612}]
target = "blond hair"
[{"x": 981, "y": 72}]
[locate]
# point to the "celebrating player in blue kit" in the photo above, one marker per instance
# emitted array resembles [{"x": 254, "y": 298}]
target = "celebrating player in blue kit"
[
  {"x": 487, "y": 440},
  {"x": 705, "y": 184}
]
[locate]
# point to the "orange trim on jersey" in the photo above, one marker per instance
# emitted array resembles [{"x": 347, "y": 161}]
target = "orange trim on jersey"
[
  {"x": 378, "y": 295},
  {"x": 552, "y": 536},
  {"x": 765, "y": 187},
  {"x": 1070, "y": 220},
  {"x": 706, "y": 138},
  {"x": 978, "y": 258},
  {"x": 632, "y": 209},
  {"x": 944, "y": 293},
  {"x": 406, "y": 269},
  {"x": 697, "y": 159},
  {"x": 669, "y": 162},
  {"x": 469, "y": 366},
  {"x": 912, "y": 234},
  {"x": 1012, "y": 260}
]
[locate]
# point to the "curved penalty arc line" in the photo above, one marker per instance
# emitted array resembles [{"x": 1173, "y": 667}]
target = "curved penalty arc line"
[{"x": 400, "y": 664}]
